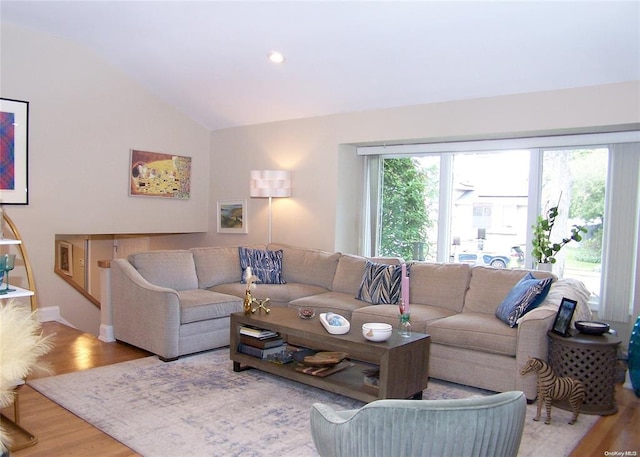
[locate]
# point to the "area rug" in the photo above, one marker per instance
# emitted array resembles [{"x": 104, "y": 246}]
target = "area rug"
[{"x": 199, "y": 406}]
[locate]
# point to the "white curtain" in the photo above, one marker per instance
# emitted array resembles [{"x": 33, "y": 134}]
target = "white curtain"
[{"x": 620, "y": 249}]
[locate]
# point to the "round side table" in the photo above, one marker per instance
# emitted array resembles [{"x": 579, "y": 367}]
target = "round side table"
[{"x": 591, "y": 359}]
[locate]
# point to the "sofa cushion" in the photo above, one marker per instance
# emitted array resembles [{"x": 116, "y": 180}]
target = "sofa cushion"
[
  {"x": 380, "y": 283},
  {"x": 201, "y": 305},
  {"x": 439, "y": 284},
  {"x": 265, "y": 264},
  {"x": 277, "y": 293},
  {"x": 488, "y": 287},
  {"x": 476, "y": 331},
  {"x": 389, "y": 314},
  {"x": 307, "y": 266},
  {"x": 527, "y": 294},
  {"x": 350, "y": 270},
  {"x": 217, "y": 265},
  {"x": 174, "y": 269}
]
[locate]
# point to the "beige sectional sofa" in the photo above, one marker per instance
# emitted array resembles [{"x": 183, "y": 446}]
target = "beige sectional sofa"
[{"x": 178, "y": 302}]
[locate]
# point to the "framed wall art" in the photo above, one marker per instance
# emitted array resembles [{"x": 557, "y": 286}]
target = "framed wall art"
[
  {"x": 154, "y": 174},
  {"x": 14, "y": 146},
  {"x": 563, "y": 318},
  {"x": 232, "y": 216},
  {"x": 65, "y": 258}
]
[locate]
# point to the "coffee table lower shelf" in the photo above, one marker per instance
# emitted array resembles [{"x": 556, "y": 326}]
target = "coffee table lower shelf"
[
  {"x": 403, "y": 363},
  {"x": 348, "y": 382}
]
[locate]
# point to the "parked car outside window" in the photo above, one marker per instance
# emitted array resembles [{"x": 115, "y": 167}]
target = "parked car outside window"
[{"x": 515, "y": 258}]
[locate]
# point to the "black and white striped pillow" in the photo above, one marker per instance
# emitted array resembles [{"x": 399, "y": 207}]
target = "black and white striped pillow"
[{"x": 381, "y": 283}]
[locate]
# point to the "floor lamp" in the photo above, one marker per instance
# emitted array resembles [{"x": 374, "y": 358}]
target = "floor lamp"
[{"x": 269, "y": 184}]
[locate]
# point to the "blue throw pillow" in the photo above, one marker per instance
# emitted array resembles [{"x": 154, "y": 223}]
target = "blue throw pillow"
[
  {"x": 381, "y": 283},
  {"x": 526, "y": 295},
  {"x": 266, "y": 265}
]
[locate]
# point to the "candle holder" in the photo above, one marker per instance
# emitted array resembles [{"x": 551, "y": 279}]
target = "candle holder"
[{"x": 246, "y": 304}]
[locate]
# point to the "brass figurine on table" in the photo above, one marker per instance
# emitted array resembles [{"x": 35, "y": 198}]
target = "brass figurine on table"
[
  {"x": 261, "y": 306},
  {"x": 249, "y": 301}
]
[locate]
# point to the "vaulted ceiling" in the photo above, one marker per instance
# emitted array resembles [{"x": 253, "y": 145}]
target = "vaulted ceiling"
[{"x": 209, "y": 58}]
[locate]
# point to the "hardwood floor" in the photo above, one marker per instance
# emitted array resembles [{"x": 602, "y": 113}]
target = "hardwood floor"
[
  {"x": 618, "y": 432},
  {"x": 60, "y": 433}
]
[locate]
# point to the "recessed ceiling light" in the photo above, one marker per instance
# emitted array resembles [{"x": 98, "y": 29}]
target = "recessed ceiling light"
[{"x": 276, "y": 57}]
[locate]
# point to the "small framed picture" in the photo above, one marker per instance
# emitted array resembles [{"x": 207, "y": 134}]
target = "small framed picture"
[
  {"x": 232, "y": 216},
  {"x": 65, "y": 258},
  {"x": 563, "y": 318}
]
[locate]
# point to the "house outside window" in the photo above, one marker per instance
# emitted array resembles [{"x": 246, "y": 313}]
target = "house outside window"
[{"x": 482, "y": 204}]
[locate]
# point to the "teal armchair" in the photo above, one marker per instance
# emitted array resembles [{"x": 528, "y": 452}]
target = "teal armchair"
[{"x": 477, "y": 426}]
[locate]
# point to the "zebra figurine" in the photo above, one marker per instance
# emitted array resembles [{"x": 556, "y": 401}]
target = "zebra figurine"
[{"x": 552, "y": 387}]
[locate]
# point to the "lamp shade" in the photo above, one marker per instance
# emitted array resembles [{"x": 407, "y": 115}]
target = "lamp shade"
[{"x": 270, "y": 183}]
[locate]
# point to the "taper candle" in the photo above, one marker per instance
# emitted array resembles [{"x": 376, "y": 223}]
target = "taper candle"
[{"x": 404, "y": 284}]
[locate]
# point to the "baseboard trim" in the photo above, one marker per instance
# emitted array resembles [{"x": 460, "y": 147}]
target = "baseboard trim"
[
  {"x": 48, "y": 314},
  {"x": 106, "y": 333},
  {"x": 52, "y": 314}
]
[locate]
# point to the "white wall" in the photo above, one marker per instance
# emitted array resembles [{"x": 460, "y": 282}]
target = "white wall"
[
  {"x": 84, "y": 118},
  {"x": 324, "y": 211}
]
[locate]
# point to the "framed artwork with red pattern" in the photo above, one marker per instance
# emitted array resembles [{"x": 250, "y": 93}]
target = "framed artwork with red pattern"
[{"x": 14, "y": 146}]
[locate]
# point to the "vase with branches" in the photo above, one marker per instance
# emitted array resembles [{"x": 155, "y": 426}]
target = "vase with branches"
[{"x": 545, "y": 250}]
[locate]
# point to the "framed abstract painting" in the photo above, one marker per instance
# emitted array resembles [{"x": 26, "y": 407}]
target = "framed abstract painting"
[{"x": 14, "y": 147}]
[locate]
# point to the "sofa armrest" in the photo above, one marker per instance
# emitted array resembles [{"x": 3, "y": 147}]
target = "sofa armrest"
[
  {"x": 144, "y": 315},
  {"x": 532, "y": 334}
]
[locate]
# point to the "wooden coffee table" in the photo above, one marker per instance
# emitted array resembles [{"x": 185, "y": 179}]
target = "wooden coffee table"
[{"x": 403, "y": 362}]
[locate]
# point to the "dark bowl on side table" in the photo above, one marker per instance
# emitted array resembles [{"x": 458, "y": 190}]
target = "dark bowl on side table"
[{"x": 592, "y": 327}]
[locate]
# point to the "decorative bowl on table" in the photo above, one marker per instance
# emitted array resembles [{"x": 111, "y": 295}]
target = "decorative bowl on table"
[
  {"x": 592, "y": 327},
  {"x": 377, "y": 331},
  {"x": 335, "y": 323},
  {"x": 306, "y": 313}
]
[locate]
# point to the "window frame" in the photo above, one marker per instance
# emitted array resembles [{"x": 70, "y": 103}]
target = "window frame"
[{"x": 536, "y": 147}]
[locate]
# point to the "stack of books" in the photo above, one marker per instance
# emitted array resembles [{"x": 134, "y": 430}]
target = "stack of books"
[{"x": 260, "y": 343}]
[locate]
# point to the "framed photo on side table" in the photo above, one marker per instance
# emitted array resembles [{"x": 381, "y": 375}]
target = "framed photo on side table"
[{"x": 563, "y": 318}]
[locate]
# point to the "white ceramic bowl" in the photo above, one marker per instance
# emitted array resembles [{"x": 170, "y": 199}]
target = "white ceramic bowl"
[
  {"x": 335, "y": 329},
  {"x": 376, "y": 331}
]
